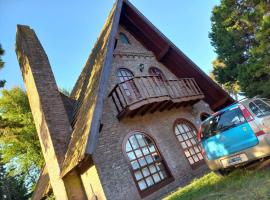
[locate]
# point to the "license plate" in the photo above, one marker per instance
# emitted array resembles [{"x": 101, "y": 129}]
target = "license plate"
[{"x": 233, "y": 160}]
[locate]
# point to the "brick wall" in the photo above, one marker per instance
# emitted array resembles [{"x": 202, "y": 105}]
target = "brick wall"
[
  {"x": 111, "y": 164},
  {"x": 48, "y": 111},
  {"x": 92, "y": 185}
]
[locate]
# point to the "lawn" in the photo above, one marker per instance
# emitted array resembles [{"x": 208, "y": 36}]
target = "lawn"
[{"x": 242, "y": 184}]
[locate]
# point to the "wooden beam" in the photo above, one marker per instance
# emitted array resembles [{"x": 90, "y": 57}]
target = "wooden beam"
[
  {"x": 156, "y": 106},
  {"x": 171, "y": 106},
  {"x": 165, "y": 106},
  {"x": 219, "y": 103},
  {"x": 163, "y": 53},
  {"x": 146, "y": 109}
]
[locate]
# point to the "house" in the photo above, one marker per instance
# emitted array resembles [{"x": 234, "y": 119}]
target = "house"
[{"x": 128, "y": 129}]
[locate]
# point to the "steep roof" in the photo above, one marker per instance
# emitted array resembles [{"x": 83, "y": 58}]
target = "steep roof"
[
  {"x": 89, "y": 91},
  {"x": 90, "y": 88}
]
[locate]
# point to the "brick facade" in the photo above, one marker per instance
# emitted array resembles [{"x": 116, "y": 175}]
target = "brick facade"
[{"x": 109, "y": 157}]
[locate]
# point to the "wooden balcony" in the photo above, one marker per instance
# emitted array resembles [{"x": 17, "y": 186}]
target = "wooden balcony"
[{"x": 148, "y": 94}]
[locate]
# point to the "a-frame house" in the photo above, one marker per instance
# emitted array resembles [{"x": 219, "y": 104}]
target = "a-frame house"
[{"x": 128, "y": 129}]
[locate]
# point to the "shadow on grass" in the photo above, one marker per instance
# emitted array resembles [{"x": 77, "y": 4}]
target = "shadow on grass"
[{"x": 241, "y": 184}]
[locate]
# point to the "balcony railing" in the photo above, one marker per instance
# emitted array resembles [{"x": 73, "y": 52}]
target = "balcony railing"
[{"x": 143, "y": 94}]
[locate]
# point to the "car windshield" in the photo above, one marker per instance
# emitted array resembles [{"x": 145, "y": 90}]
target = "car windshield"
[{"x": 221, "y": 122}]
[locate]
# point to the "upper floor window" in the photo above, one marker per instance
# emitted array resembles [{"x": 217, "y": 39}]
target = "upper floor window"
[
  {"x": 186, "y": 134},
  {"x": 153, "y": 71},
  {"x": 124, "y": 75},
  {"x": 124, "y": 38},
  {"x": 146, "y": 163}
]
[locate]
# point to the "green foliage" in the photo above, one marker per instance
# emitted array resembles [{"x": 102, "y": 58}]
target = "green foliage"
[
  {"x": 221, "y": 74},
  {"x": 240, "y": 35},
  {"x": 2, "y": 82},
  {"x": 11, "y": 188},
  {"x": 237, "y": 186},
  {"x": 20, "y": 147}
]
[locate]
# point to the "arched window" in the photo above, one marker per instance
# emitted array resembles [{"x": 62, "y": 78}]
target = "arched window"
[
  {"x": 124, "y": 38},
  {"x": 147, "y": 166},
  {"x": 153, "y": 71},
  {"x": 204, "y": 116},
  {"x": 124, "y": 74},
  {"x": 186, "y": 134}
]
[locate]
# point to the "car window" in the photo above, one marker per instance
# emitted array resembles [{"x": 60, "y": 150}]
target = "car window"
[
  {"x": 259, "y": 108},
  {"x": 255, "y": 109},
  {"x": 222, "y": 122}
]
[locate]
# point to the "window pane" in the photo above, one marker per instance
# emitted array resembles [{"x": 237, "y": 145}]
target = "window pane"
[
  {"x": 152, "y": 148},
  {"x": 152, "y": 169},
  {"x": 149, "y": 159},
  {"x": 189, "y": 135},
  {"x": 180, "y": 138},
  {"x": 254, "y": 109},
  {"x": 142, "y": 162},
  {"x": 183, "y": 144},
  {"x": 193, "y": 141},
  {"x": 142, "y": 184},
  {"x": 187, "y": 153},
  {"x": 131, "y": 156},
  {"x": 188, "y": 143},
  {"x": 145, "y": 172},
  {"x": 133, "y": 142},
  {"x": 135, "y": 165},
  {"x": 138, "y": 153},
  {"x": 190, "y": 160},
  {"x": 140, "y": 140},
  {"x": 128, "y": 147},
  {"x": 149, "y": 181},
  {"x": 156, "y": 178},
  {"x": 264, "y": 108},
  {"x": 163, "y": 174},
  {"x": 138, "y": 175},
  {"x": 145, "y": 151}
]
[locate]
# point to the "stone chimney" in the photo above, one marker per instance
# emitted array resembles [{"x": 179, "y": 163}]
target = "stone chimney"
[{"x": 49, "y": 114}]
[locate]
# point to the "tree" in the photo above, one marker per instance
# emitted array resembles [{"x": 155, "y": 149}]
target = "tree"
[
  {"x": 10, "y": 187},
  {"x": 2, "y": 82},
  {"x": 20, "y": 147},
  {"x": 221, "y": 74},
  {"x": 240, "y": 35}
]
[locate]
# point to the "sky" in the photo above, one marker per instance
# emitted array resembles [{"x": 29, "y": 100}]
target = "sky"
[{"x": 68, "y": 30}]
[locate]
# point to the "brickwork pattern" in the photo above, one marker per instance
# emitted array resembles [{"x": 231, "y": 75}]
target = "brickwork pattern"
[{"x": 109, "y": 158}]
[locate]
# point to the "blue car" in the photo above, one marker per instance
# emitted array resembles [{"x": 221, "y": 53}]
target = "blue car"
[{"x": 236, "y": 135}]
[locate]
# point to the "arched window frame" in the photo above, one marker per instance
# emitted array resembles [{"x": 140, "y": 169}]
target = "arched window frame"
[
  {"x": 123, "y": 38},
  {"x": 122, "y": 76},
  {"x": 160, "y": 75},
  {"x": 156, "y": 186},
  {"x": 191, "y": 125}
]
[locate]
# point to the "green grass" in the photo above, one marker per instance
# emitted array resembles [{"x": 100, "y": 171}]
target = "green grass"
[{"x": 242, "y": 184}]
